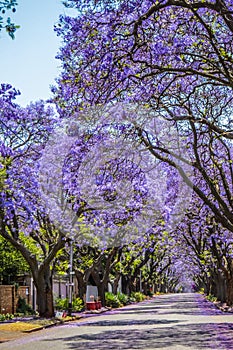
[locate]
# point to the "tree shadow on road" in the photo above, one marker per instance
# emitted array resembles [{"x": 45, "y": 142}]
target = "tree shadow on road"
[
  {"x": 182, "y": 308},
  {"x": 190, "y": 309},
  {"x": 129, "y": 322},
  {"x": 192, "y": 336}
]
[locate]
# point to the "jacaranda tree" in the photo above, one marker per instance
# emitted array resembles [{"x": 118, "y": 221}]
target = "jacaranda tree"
[
  {"x": 142, "y": 52},
  {"x": 210, "y": 248},
  {"x": 174, "y": 57},
  {"x": 23, "y": 219}
]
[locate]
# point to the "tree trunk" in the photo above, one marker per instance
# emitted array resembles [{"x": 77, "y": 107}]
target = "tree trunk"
[
  {"x": 82, "y": 287},
  {"x": 221, "y": 287},
  {"x": 116, "y": 283},
  {"x": 125, "y": 285},
  {"x": 82, "y": 284},
  {"x": 229, "y": 290},
  {"x": 44, "y": 290},
  {"x": 213, "y": 286},
  {"x": 101, "y": 292},
  {"x": 128, "y": 285}
]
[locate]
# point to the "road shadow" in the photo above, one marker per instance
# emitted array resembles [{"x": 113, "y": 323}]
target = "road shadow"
[
  {"x": 147, "y": 333},
  {"x": 193, "y": 336},
  {"x": 129, "y": 322},
  {"x": 184, "y": 307},
  {"x": 205, "y": 308}
]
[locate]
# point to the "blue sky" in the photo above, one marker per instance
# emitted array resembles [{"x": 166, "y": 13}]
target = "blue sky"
[{"x": 28, "y": 62}]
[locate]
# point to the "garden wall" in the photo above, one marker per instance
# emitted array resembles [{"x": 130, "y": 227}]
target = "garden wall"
[{"x": 9, "y": 296}]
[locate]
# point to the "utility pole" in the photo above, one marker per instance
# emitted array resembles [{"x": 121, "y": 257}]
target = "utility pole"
[{"x": 70, "y": 279}]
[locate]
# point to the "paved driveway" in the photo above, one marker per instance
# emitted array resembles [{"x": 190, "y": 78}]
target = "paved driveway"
[{"x": 175, "y": 321}]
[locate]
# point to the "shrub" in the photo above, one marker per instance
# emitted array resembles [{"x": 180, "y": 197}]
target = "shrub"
[
  {"x": 23, "y": 307},
  {"x": 132, "y": 299},
  {"x": 63, "y": 304},
  {"x": 138, "y": 296},
  {"x": 112, "y": 300},
  {"x": 9, "y": 316},
  {"x": 2, "y": 317},
  {"x": 123, "y": 298},
  {"x": 211, "y": 298},
  {"x": 78, "y": 304}
]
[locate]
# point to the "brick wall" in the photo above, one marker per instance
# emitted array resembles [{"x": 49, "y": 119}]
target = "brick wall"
[{"x": 9, "y": 297}]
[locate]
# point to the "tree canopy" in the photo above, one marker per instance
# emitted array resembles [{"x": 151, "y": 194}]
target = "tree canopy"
[{"x": 172, "y": 56}]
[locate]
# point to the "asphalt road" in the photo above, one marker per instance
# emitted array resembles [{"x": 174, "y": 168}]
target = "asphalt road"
[{"x": 175, "y": 321}]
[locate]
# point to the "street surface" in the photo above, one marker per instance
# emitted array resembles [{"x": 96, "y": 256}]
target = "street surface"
[{"x": 172, "y": 322}]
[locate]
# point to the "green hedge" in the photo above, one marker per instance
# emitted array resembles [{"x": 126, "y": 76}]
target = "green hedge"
[
  {"x": 63, "y": 304},
  {"x": 112, "y": 300},
  {"x": 6, "y": 317},
  {"x": 23, "y": 307},
  {"x": 121, "y": 299},
  {"x": 138, "y": 296}
]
